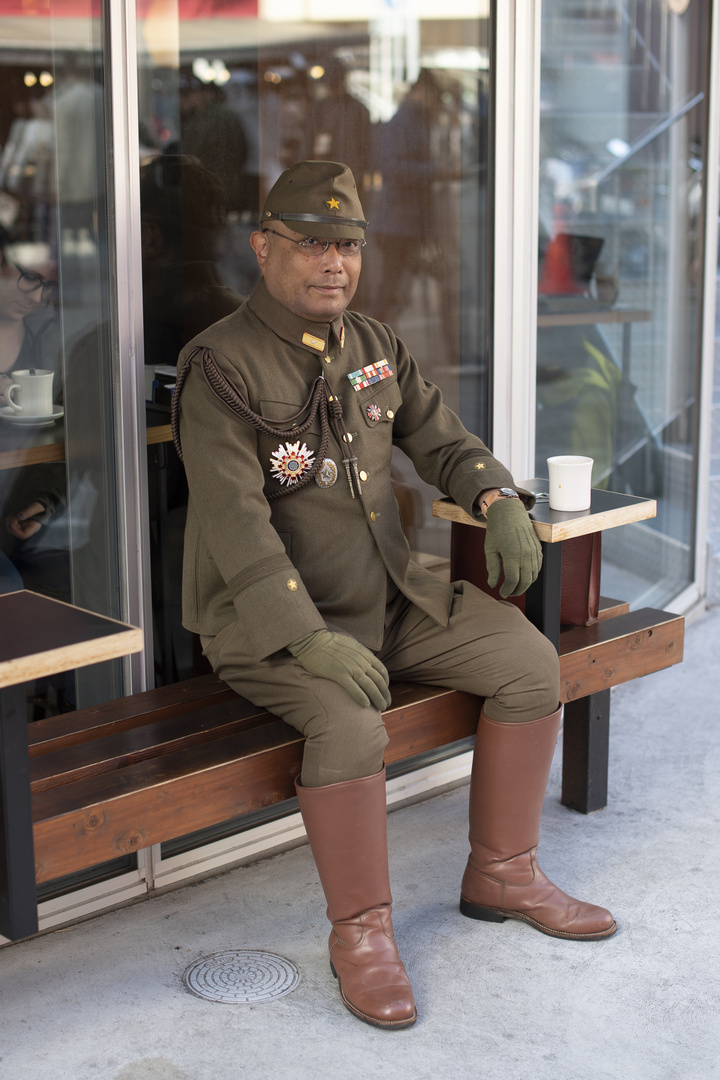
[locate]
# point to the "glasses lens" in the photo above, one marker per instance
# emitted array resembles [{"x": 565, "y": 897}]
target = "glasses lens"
[{"x": 316, "y": 246}]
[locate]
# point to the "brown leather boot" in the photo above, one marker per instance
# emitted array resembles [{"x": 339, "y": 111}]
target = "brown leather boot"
[
  {"x": 502, "y": 879},
  {"x": 347, "y": 827}
]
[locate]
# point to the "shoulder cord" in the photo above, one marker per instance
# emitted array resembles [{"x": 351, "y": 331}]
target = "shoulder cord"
[{"x": 319, "y": 400}]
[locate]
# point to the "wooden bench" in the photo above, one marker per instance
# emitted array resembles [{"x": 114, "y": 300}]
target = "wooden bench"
[{"x": 109, "y": 780}]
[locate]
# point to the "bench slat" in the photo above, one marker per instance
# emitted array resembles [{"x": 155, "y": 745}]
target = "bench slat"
[
  {"x": 67, "y": 729},
  {"x": 140, "y": 743}
]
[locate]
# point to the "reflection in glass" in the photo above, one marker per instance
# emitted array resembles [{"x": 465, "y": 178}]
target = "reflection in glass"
[
  {"x": 58, "y": 527},
  {"x": 622, "y": 135},
  {"x": 404, "y": 102}
]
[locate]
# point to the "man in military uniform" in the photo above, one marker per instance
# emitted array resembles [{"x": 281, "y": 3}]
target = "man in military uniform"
[{"x": 299, "y": 580}]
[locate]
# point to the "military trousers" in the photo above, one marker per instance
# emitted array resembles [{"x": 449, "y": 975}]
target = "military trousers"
[{"x": 488, "y": 648}]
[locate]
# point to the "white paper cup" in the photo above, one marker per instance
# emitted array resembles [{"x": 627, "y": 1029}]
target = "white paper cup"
[
  {"x": 570, "y": 482},
  {"x": 31, "y": 393}
]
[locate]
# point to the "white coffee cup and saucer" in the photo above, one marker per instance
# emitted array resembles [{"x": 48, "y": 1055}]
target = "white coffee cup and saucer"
[{"x": 30, "y": 399}]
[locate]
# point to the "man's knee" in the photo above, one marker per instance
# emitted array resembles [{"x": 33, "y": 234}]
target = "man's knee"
[
  {"x": 343, "y": 745},
  {"x": 343, "y": 740},
  {"x": 532, "y": 686}
]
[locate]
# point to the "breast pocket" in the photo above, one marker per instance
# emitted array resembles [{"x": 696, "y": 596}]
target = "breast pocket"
[
  {"x": 379, "y": 404},
  {"x": 285, "y": 458}
]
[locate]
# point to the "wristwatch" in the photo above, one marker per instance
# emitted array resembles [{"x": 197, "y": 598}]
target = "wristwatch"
[{"x": 495, "y": 494}]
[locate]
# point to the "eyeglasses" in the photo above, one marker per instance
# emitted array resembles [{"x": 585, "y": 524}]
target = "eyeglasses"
[
  {"x": 317, "y": 245},
  {"x": 30, "y": 281}
]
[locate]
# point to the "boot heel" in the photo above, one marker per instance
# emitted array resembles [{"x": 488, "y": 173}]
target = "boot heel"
[{"x": 477, "y": 911}]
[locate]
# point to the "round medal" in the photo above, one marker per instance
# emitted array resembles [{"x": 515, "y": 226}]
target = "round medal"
[
  {"x": 326, "y": 475},
  {"x": 290, "y": 461}
]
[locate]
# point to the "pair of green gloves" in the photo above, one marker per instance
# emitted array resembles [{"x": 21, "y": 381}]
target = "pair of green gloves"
[{"x": 510, "y": 546}]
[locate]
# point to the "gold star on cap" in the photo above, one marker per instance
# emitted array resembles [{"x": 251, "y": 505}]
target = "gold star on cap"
[{"x": 332, "y": 204}]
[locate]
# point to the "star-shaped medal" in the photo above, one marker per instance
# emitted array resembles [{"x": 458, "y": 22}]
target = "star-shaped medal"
[{"x": 289, "y": 462}]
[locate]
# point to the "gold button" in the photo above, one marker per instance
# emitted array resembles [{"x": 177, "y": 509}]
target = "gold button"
[
  {"x": 390, "y": 414},
  {"x": 480, "y": 465},
  {"x": 292, "y": 584},
  {"x": 328, "y": 359},
  {"x": 373, "y": 516},
  {"x": 347, "y": 438},
  {"x": 363, "y": 475}
]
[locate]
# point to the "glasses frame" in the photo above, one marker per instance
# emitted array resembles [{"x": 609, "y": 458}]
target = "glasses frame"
[
  {"x": 322, "y": 240},
  {"x": 29, "y": 281}
]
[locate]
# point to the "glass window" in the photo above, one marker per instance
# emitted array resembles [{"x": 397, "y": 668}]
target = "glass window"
[
  {"x": 230, "y": 100},
  {"x": 622, "y": 143},
  {"x": 58, "y": 520}
]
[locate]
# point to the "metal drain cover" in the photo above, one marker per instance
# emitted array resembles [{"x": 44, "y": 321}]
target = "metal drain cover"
[{"x": 241, "y": 976}]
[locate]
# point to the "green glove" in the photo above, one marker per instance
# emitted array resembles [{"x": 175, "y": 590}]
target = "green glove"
[
  {"x": 512, "y": 547},
  {"x": 347, "y": 662}
]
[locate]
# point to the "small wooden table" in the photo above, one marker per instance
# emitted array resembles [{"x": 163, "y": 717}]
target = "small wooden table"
[
  {"x": 39, "y": 637},
  {"x": 608, "y": 510}
]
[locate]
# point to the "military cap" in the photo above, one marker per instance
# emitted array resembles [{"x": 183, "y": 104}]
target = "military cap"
[{"x": 317, "y": 198}]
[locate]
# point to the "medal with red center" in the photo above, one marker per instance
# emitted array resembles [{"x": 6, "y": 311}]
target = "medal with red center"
[{"x": 290, "y": 461}]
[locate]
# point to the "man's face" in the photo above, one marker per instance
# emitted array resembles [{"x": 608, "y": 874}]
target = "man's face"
[{"x": 315, "y": 287}]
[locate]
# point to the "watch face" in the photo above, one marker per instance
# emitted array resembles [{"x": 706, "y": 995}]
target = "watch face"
[{"x": 509, "y": 493}]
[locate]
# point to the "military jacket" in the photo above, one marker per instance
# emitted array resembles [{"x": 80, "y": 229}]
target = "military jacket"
[{"x": 316, "y": 557}]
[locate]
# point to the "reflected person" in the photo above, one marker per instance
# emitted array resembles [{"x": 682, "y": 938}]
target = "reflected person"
[{"x": 30, "y": 497}]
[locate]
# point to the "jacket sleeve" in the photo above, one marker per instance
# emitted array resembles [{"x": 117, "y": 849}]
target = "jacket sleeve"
[
  {"x": 441, "y": 448},
  {"x": 231, "y": 546}
]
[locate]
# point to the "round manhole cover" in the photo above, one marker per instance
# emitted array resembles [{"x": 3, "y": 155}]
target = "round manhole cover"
[{"x": 241, "y": 976}]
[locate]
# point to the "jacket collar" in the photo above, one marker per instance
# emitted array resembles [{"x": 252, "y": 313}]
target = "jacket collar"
[{"x": 312, "y": 336}]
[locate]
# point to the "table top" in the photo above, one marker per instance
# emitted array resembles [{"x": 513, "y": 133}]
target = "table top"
[
  {"x": 21, "y": 446},
  {"x": 590, "y": 317},
  {"x": 41, "y": 636},
  {"x": 608, "y": 510}
]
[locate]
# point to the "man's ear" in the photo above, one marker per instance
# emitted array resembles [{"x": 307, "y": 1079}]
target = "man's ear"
[{"x": 259, "y": 244}]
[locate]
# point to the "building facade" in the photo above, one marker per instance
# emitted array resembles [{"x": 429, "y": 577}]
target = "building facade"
[{"x": 541, "y": 182}]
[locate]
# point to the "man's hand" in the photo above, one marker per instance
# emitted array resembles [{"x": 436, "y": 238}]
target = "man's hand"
[
  {"x": 347, "y": 662},
  {"x": 512, "y": 547}
]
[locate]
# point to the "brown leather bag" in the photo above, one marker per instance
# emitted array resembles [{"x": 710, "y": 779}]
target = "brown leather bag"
[{"x": 580, "y": 575}]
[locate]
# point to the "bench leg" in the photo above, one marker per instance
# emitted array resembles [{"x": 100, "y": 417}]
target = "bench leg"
[
  {"x": 18, "y": 894},
  {"x": 586, "y": 733}
]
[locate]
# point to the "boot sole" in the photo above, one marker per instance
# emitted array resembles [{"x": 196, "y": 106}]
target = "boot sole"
[
  {"x": 384, "y": 1024},
  {"x": 490, "y": 914}
]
